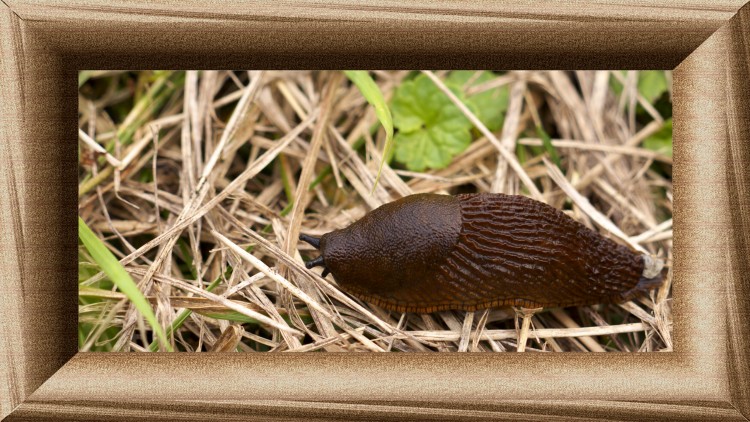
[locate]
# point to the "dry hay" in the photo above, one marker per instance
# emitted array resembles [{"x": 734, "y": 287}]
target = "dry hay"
[{"x": 232, "y": 155}]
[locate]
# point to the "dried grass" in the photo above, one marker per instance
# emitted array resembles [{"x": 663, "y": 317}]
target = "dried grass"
[{"x": 233, "y": 155}]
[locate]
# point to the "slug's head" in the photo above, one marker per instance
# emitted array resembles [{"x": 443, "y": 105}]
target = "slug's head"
[
  {"x": 319, "y": 261},
  {"x": 395, "y": 245}
]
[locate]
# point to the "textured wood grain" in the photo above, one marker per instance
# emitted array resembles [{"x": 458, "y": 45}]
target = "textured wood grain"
[
  {"x": 44, "y": 43},
  {"x": 390, "y": 34},
  {"x": 286, "y": 410},
  {"x": 380, "y": 385},
  {"x": 737, "y": 106},
  {"x": 13, "y": 386},
  {"x": 38, "y": 247},
  {"x": 712, "y": 128}
]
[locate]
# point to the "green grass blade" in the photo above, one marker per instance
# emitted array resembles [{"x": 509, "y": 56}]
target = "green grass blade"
[
  {"x": 185, "y": 314},
  {"x": 547, "y": 142},
  {"x": 114, "y": 270},
  {"x": 372, "y": 94}
]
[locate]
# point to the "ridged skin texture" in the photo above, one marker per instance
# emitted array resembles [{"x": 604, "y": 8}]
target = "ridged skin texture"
[{"x": 426, "y": 253}]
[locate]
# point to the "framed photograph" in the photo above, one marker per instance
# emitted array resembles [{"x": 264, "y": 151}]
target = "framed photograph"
[{"x": 57, "y": 165}]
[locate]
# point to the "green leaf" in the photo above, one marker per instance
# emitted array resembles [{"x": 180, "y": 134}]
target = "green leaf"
[
  {"x": 372, "y": 94},
  {"x": 652, "y": 84},
  {"x": 114, "y": 270},
  {"x": 489, "y": 106},
  {"x": 661, "y": 141},
  {"x": 615, "y": 84},
  {"x": 434, "y": 147},
  {"x": 431, "y": 129},
  {"x": 83, "y": 76}
]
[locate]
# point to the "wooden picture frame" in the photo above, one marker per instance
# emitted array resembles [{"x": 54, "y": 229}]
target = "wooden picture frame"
[{"x": 44, "y": 44}]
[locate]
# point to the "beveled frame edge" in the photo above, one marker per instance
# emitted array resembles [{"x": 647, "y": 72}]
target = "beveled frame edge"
[{"x": 45, "y": 44}]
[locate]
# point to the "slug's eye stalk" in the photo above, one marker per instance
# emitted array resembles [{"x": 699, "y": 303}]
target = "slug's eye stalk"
[
  {"x": 318, "y": 262},
  {"x": 314, "y": 241}
]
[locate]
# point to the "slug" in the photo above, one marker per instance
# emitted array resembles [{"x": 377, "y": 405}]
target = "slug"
[{"x": 428, "y": 252}]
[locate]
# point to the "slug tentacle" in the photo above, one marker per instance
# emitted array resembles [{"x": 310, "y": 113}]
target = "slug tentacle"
[
  {"x": 317, "y": 262},
  {"x": 314, "y": 241}
]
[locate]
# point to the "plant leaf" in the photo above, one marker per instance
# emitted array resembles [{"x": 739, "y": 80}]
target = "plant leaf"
[
  {"x": 615, "y": 84},
  {"x": 372, "y": 94},
  {"x": 489, "y": 106},
  {"x": 661, "y": 141},
  {"x": 84, "y": 76},
  {"x": 114, "y": 270},
  {"x": 431, "y": 148},
  {"x": 431, "y": 129},
  {"x": 652, "y": 84}
]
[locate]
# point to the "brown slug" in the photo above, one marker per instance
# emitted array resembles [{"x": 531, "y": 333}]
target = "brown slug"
[{"x": 427, "y": 252}]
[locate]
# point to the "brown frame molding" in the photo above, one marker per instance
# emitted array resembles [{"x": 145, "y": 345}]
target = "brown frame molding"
[{"x": 45, "y": 43}]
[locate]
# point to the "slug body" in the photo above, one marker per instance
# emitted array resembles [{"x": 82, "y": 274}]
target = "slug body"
[{"x": 428, "y": 252}]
